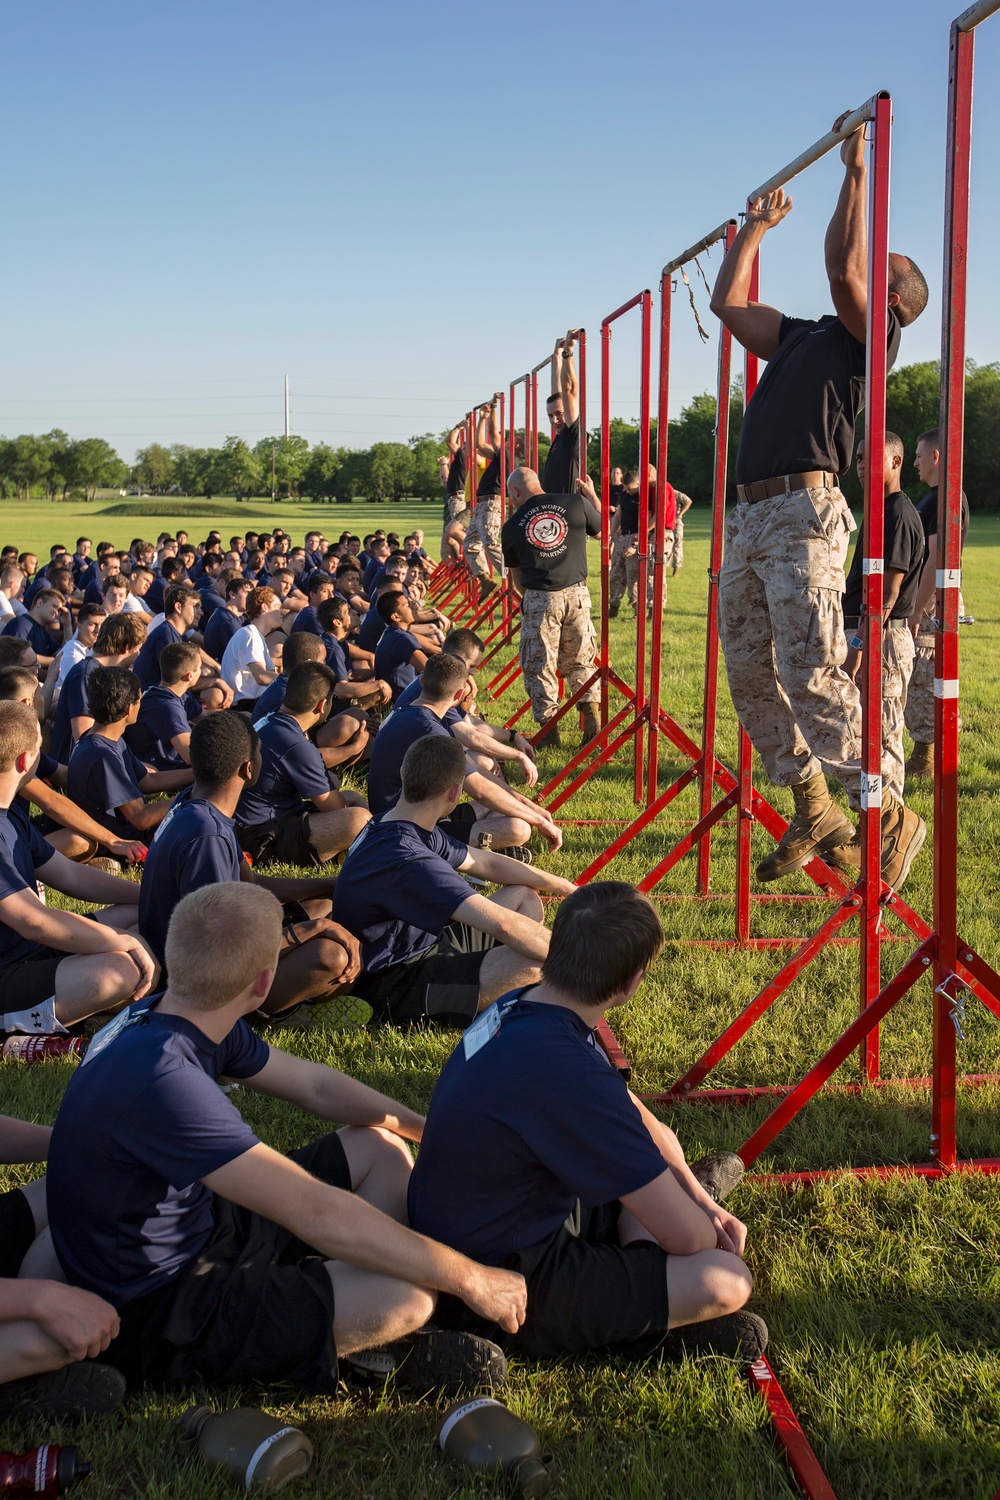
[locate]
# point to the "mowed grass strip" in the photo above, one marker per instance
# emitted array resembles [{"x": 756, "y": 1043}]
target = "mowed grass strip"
[{"x": 881, "y": 1295}]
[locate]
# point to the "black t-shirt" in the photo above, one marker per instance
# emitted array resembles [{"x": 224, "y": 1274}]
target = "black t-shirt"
[
  {"x": 628, "y": 511},
  {"x": 456, "y": 474},
  {"x": 562, "y": 462},
  {"x": 803, "y": 413},
  {"x": 927, "y": 510},
  {"x": 489, "y": 484},
  {"x": 902, "y": 548},
  {"x": 546, "y": 538}
]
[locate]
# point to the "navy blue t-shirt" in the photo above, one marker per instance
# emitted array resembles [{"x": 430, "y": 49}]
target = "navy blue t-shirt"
[
  {"x": 402, "y": 728},
  {"x": 161, "y": 717},
  {"x": 211, "y": 600},
  {"x": 371, "y": 630},
  {"x": 101, "y": 776},
  {"x": 147, "y": 663},
  {"x": 22, "y": 852},
  {"x": 336, "y": 657},
  {"x": 398, "y": 890},
  {"x": 306, "y": 620},
  {"x": 141, "y": 1122},
  {"x": 392, "y": 659},
  {"x": 195, "y": 845},
  {"x": 219, "y": 631},
  {"x": 155, "y": 593},
  {"x": 516, "y": 1133},
  {"x": 270, "y": 699},
  {"x": 72, "y": 705},
  {"x": 412, "y": 693},
  {"x": 291, "y": 772},
  {"x": 27, "y": 629}
]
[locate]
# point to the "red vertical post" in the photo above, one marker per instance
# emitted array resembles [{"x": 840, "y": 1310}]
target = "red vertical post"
[
  {"x": 643, "y": 539},
  {"x": 946, "y": 657},
  {"x": 533, "y": 402},
  {"x": 744, "y": 752},
  {"x": 722, "y": 404},
  {"x": 870, "y": 886},
  {"x": 605, "y": 519}
]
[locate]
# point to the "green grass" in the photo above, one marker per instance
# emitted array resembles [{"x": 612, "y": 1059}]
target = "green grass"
[{"x": 881, "y": 1296}]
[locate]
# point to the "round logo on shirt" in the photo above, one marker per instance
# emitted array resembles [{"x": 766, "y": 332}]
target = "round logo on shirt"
[{"x": 546, "y": 530}]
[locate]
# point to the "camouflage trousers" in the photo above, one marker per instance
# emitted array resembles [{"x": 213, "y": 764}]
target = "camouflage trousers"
[
  {"x": 782, "y": 630},
  {"x": 897, "y": 665},
  {"x": 920, "y": 699},
  {"x": 678, "y": 558},
  {"x": 557, "y": 637},
  {"x": 623, "y": 577},
  {"x": 482, "y": 537}
]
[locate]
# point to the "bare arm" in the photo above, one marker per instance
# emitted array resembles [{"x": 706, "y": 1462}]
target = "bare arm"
[
  {"x": 331, "y": 1095},
  {"x": 21, "y": 1141},
  {"x": 25, "y": 915},
  {"x": 674, "y": 1220},
  {"x": 568, "y": 387},
  {"x": 63, "y": 810},
  {"x": 84, "y": 883},
  {"x": 144, "y": 815},
  {"x": 166, "y": 781},
  {"x": 925, "y": 588},
  {"x": 755, "y": 325},
  {"x": 846, "y": 245},
  {"x": 500, "y": 870},
  {"x": 494, "y": 793},
  {"x": 344, "y": 1227},
  {"x": 517, "y": 932},
  {"x": 731, "y": 1234}
]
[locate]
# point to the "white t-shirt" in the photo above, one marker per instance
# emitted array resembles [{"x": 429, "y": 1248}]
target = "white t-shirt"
[
  {"x": 246, "y": 645},
  {"x": 71, "y": 653},
  {"x": 10, "y": 607},
  {"x": 134, "y": 606}
]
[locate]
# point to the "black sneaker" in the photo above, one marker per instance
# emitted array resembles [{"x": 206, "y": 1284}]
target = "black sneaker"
[
  {"x": 89, "y": 1389},
  {"x": 718, "y": 1173},
  {"x": 517, "y": 851},
  {"x": 433, "y": 1360},
  {"x": 739, "y": 1336}
]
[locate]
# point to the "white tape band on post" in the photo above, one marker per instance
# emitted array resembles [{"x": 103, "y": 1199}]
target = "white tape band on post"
[
  {"x": 948, "y": 578},
  {"x": 946, "y": 687},
  {"x": 872, "y": 565},
  {"x": 871, "y": 791}
]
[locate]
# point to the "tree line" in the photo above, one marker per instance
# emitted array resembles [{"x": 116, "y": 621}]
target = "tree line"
[{"x": 58, "y": 467}]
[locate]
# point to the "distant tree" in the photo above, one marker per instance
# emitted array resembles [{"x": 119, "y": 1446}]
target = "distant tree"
[
  {"x": 425, "y": 482},
  {"x": 237, "y": 467},
  {"x": 23, "y": 460},
  {"x": 390, "y": 471},
  {"x": 93, "y": 464},
  {"x": 154, "y": 467},
  {"x": 320, "y": 474},
  {"x": 193, "y": 469},
  {"x": 353, "y": 478},
  {"x": 291, "y": 454}
]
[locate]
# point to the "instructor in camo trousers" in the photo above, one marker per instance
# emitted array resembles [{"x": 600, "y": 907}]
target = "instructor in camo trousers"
[{"x": 545, "y": 547}]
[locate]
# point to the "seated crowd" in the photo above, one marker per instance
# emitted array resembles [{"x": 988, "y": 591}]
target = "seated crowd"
[{"x": 191, "y": 710}]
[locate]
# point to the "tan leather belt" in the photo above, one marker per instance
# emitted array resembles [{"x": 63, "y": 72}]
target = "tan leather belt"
[{"x": 784, "y": 484}]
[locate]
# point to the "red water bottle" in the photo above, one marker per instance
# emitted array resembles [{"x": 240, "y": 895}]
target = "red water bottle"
[
  {"x": 32, "y": 1049},
  {"x": 41, "y": 1473}
]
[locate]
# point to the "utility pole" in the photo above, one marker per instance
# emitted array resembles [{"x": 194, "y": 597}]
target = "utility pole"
[
  {"x": 288, "y": 429},
  {"x": 273, "y": 486}
]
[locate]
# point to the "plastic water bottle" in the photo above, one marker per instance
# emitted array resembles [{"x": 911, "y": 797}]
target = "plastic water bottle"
[
  {"x": 484, "y": 1434},
  {"x": 258, "y": 1451},
  {"x": 42, "y": 1473}
]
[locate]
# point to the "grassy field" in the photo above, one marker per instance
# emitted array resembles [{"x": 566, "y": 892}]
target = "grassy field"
[{"x": 881, "y": 1297}]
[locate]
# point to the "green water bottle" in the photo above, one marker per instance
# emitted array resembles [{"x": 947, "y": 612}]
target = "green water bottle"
[
  {"x": 484, "y": 1435},
  {"x": 260, "y": 1452}
]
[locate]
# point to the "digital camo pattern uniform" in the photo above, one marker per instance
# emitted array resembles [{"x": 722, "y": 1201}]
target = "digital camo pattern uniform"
[
  {"x": 482, "y": 537},
  {"x": 623, "y": 577},
  {"x": 920, "y": 697},
  {"x": 678, "y": 558},
  {"x": 897, "y": 665},
  {"x": 781, "y": 625},
  {"x": 557, "y": 636}
]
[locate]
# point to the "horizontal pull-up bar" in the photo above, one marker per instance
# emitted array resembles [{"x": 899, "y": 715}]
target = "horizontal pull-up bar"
[
  {"x": 853, "y": 122},
  {"x": 971, "y": 18},
  {"x": 632, "y": 302},
  {"x": 703, "y": 244},
  {"x": 542, "y": 366}
]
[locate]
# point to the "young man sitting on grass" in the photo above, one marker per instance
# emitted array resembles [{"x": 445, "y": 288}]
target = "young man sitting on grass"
[
  {"x": 431, "y": 947},
  {"x": 181, "y": 613},
  {"x": 162, "y": 730},
  {"x": 61, "y": 823},
  {"x": 291, "y": 813},
  {"x": 536, "y": 1155},
  {"x": 226, "y": 1261},
  {"x": 505, "y": 815},
  {"x": 103, "y": 776},
  {"x": 51, "y": 1335},
  {"x": 196, "y": 846},
  {"x": 117, "y": 645},
  {"x": 337, "y": 743},
  {"x": 56, "y": 968},
  {"x": 399, "y": 655},
  {"x": 247, "y": 666}
]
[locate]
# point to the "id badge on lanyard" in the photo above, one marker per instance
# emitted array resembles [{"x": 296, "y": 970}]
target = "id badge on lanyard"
[{"x": 484, "y": 1028}]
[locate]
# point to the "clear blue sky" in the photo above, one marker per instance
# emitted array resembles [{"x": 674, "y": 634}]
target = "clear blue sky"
[{"x": 401, "y": 205}]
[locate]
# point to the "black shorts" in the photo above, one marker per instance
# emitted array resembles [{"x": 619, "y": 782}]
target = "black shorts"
[
  {"x": 585, "y": 1291},
  {"x": 284, "y": 840},
  {"x": 459, "y": 822},
  {"x": 255, "y": 1304},
  {"x": 17, "y": 1231},
  {"x": 441, "y": 986},
  {"x": 29, "y": 981}
]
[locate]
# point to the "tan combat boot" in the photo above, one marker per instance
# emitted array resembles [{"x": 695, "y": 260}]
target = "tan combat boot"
[
  {"x": 817, "y": 827},
  {"x": 903, "y": 834},
  {"x": 591, "y": 728},
  {"x": 921, "y": 761}
]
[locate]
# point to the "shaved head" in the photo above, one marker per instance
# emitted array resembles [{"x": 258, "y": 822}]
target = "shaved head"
[{"x": 522, "y": 483}]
